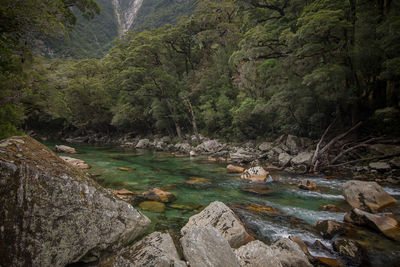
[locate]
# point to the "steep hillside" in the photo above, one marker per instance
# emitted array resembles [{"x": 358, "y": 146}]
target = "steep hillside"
[
  {"x": 93, "y": 38},
  {"x": 89, "y": 38},
  {"x": 156, "y": 13}
]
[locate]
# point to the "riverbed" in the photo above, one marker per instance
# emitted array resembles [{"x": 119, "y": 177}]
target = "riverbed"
[{"x": 299, "y": 209}]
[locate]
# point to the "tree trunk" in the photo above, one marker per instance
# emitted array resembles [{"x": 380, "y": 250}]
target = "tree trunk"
[{"x": 194, "y": 124}]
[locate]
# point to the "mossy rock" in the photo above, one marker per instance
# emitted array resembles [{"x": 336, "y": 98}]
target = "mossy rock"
[
  {"x": 198, "y": 182},
  {"x": 152, "y": 206}
]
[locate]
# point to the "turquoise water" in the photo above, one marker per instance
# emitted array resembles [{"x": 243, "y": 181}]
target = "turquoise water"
[{"x": 161, "y": 169}]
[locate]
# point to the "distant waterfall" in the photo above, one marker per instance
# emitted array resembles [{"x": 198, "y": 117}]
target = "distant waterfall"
[{"x": 125, "y": 11}]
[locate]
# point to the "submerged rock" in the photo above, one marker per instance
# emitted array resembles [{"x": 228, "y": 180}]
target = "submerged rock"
[
  {"x": 255, "y": 174},
  {"x": 156, "y": 249},
  {"x": 126, "y": 169},
  {"x": 52, "y": 214},
  {"x": 218, "y": 215},
  {"x": 65, "y": 149},
  {"x": 368, "y": 196},
  {"x": 204, "y": 246},
  {"x": 198, "y": 182},
  {"x": 157, "y": 194},
  {"x": 153, "y": 206},
  {"x": 259, "y": 189}
]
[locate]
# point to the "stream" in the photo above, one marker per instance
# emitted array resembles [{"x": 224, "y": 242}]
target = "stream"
[{"x": 299, "y": 209}]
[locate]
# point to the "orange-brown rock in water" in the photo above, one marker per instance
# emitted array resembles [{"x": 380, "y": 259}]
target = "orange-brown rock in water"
[
  {"x": 156, "y": 194},
  {"x": 307, "y": 185},
  {"x": 234, "y": 169},
  {"x": 386, "y": 224},
  {"x": 367, "y": 196}
]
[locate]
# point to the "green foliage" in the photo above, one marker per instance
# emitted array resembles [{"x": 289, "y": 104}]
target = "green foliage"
[
  {"x": 235, "y": 69},
  {"x": 156, "y": 13},
  {"x": 87, "y": 39}
]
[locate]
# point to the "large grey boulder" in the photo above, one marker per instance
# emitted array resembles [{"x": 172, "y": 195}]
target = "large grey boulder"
[
  {"x": 257, "y": 254},
  {"x": 290, "y": 253},
  {"x": 368, "y": 196},
  {"x": 242, "y": 155},
  {"x": 284, "y": 159},
  {"x": 302, "y": 158},
  {"x": 284, "y": 252},
  {"x": 157, "y": 249},
  {"x": 210, "y": 146},
  {"x": 221, "y": 217},
  {"x": 143, "y": 143},
  {"x": 183, "y": 147},
  {"x": 53, "y": 214},
  {"x": 294, "y": 144},
  {"x": 65, "y": 149},
  {"x": 206, "y": 247},
  {"x": 265, "y": 146}
]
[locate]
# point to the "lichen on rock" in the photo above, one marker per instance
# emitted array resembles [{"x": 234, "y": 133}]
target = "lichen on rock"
[{"x": 53, "y": 214}]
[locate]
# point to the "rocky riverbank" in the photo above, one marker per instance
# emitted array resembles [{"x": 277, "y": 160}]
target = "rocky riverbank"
[
  {"x": 288, "y": 153},
  {"x": 53, "y": 214}
]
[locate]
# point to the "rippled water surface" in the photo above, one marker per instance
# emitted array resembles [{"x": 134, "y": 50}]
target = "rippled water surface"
[{"x": 160, "y": 169}]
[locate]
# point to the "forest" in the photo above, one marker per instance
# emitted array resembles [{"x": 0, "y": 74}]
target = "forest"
[{"x": 234, "y": 69}]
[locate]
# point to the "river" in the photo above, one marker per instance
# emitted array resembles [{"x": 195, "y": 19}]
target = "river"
[{"x": 299, "y": 209}]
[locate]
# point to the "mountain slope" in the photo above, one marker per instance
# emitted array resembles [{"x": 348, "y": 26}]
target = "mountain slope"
[
  {"x": 93, "y": 38},
  {"x": 156, "y": 13}
]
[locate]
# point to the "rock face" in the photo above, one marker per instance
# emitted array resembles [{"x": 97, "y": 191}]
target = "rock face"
[
  {"x": 380, "y": 165},
  {"x": 218, "y": 215},
  {"x": 206, "y": 247},
  {"x": 368, "y": 196},
  {"x": 284, "y": 252},
  {"x": 156, "y": 249},
  {"x": 65, "y": 149},
  {"x": 234, "y": 169},
  {"x": 255, "y": 174},
  {"x": 388, "y": 225},
  {"x": 52, "y": 214}
]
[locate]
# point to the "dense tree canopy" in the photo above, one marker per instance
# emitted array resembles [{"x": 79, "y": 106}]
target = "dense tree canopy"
[{"x": 235, "y": 69}]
